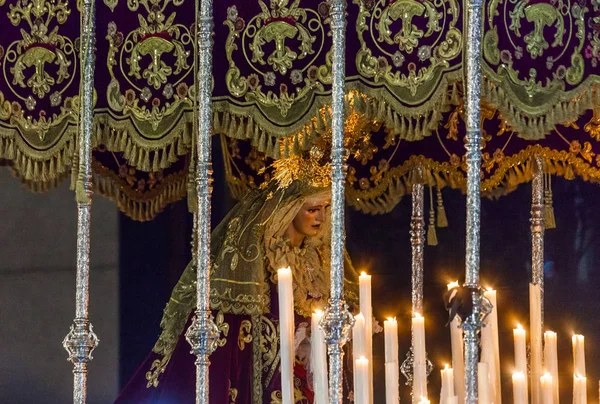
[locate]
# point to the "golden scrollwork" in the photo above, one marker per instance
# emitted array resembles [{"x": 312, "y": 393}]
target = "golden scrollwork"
[
  {"x": 157, "y": 89},
  {"x": 157, "y": 368},
  {"x": 223, "y": 328},
  {"x": 393, "y": 23},
  {"x": 278, "y": 24},
  {"x": 43, "y": 62},
  {"x": 534, "y": 100},
  {"x": 593, "y": 126},
  {"x": 269, "y": 348},
  {"x": 245, "y": 334},
  {"x": 233, "y": 393}
]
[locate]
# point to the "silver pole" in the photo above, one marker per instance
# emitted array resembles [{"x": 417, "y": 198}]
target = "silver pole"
[
  {"x": 473, "y": 323},
  {"x": 202, "y": 334},
  {"x": 417, "y": 241},
  {"x": 537, "y": 274},
  {"x": 337, "y": 321},
  {"x": 81, "y": 339},
  {"x": 537, "y": 226}
]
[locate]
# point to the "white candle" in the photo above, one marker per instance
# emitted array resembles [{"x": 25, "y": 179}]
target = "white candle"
[
  {"x": 358, "y": 342},
  {"x": 579, "y": 355},
  {"x": 318, "y": 362},
  {"x": 358, "y": 336},
  {"x": 366, "y": 309},
  {"x": 490, "y": 348},
  {"x": 579, "y": 389},
  {"x": 392, "y": 383},
  {"x": 458, "y": 359},
  {"x": 420, "y": 364},
  {"x": 390, "y": 330},
  {"x": 547, "y": 389},
  {"x": 447, "y": 393},
  {"x": 361, "y": 384},
  {"x": 535, "y": 335},
  {"x": 286, "y": 327},
  {"x": 519, "y": 388},
  {"x": 520, "y": 355},
  {"x": 483, "y": 383},
  {"x": 551, "y": 361}
]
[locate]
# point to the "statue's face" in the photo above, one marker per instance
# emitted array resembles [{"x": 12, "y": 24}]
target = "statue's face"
[{"x": 311, "y": 216}]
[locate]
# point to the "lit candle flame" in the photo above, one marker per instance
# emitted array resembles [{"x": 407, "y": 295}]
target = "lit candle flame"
[{"x": 453, "y": 285}]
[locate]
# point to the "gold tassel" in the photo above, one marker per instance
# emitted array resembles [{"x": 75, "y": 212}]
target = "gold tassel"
[
  {"x": 164, "y": 160},
  {"x": 442, "y": 219},
  {"x": 123, "y": 142},
  {"x": 172, "y": 155},
  {"x": 569, "y": 174},
  {"x": 28, "y": 169},
  {"x": 549, "y": 219},
  {"x": 270, "y": 146},
  {"x": 431, "y": 233},
  {"x": 155, "y": 163}
]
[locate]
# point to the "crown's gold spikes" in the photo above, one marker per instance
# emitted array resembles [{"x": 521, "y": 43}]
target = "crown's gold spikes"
[{"x": 308, "y": 168}]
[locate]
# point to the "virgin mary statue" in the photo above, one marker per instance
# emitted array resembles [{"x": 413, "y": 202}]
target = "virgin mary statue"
[{"x": 285, "y": 224}]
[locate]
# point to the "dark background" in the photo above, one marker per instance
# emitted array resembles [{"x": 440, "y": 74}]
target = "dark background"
[{"x": 153, "y": 255}]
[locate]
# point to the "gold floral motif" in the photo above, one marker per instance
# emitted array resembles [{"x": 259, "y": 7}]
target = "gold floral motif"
[
  {"x": 139, "y": 56},
  {"x": 245, "y": 334},
  {"x": 446, "y": 44},
  {"x": 276, "y": 397},
  {"x": 40, "y": 46},
  {"x": 233, "y": 393},
  {"x": 593, "y": 126},
  {"x": 157, "y": 368},
  {"x": 277, "y": 24},
  {"x": 157, "y": 35},
  {"x": 223, "y": 328},
  {"x": 42, "y": 62},
  {"x": 269, "y": 348},
  {"x": 543, "y": 15},
  {"x": 532, "y": 102},
  {"x": 408, "y": 37}
]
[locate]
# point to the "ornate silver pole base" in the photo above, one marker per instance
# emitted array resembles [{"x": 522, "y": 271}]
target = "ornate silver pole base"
[
  {"x": 202, "y": 335},
  {"x": 80, "y": 342},
  {"x": 337, "y": 323}
]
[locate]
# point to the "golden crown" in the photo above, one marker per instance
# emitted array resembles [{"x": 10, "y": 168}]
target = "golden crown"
[{"x": 312, "y": 168}]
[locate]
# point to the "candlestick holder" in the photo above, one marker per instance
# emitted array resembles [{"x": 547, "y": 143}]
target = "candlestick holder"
[{"x": 407, "y": 367}]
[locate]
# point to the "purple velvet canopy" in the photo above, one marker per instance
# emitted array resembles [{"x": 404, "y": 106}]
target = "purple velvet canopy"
[{"x": 272, "y": 87}]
